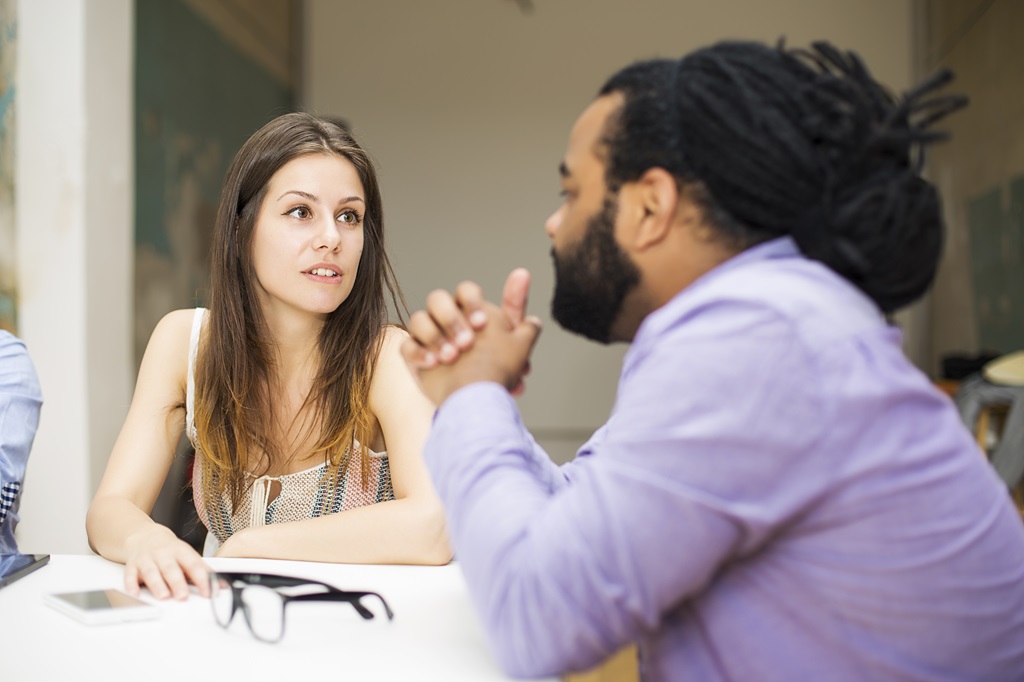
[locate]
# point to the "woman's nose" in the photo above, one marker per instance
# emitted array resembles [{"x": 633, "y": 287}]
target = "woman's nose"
[{"x": 328, "y": 235}]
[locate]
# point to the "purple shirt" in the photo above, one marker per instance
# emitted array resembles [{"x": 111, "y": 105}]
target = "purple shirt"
[{"x": 778, "y": 495}]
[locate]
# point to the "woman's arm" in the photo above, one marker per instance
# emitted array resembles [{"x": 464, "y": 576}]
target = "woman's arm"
[
  {"x": 118, "y": 522},
  {"x": 408, "y": 530}
]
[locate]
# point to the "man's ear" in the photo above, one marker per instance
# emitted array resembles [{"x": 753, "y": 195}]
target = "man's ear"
[{"x": 653, "y": 201}]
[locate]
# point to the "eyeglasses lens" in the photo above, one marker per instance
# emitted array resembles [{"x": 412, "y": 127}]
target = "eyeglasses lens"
[
  {"x": 221, "y": 599},
  {"x": 264, "y": 609}
]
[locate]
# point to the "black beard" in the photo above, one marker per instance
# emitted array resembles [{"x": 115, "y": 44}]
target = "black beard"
[{"x": 592, "y": 280}]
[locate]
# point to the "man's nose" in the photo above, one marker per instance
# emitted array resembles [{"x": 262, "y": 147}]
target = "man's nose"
[{"x": 553, "y": 222}]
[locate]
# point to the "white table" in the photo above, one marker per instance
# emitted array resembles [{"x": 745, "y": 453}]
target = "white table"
[{"x": 435, "y": 634}]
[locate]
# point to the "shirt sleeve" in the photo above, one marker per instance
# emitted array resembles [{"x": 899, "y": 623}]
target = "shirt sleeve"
[
  {"x": 683, "y": 478},
  {"x": 20, "y": 402}
]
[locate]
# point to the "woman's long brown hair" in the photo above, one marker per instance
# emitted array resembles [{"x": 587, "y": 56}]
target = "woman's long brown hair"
[{"x": 235, "y": 368}]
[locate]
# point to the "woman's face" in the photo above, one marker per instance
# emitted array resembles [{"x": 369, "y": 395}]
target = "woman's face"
[{"x": 309, "y": 235}]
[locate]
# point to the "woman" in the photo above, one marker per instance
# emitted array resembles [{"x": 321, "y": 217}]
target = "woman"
[{"x": 306, "y": 423}]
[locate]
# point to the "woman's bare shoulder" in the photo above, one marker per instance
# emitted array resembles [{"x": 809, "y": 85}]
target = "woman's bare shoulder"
[
  {"x": 390, "y": 354},
  {"x": 178, "y": 320},
  {"x": 174, "y": 328},
  {"x": 168, "y": 346},
  {"x": 393, "y": 387},
  {"x": 389, "y": 358},
  {"x": 393, "y": 336}
]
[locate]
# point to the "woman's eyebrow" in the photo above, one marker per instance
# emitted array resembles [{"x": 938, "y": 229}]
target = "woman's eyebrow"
[
  {"x": 315, "y": 199},
  {"x": 304, "y": 195}
]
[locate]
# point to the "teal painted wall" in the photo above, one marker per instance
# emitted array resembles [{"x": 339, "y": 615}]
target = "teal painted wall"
[
  {"x": 197, "y": 99},
  {"x": 8, "y": 264},
  {"x": 996, "y": 229}
]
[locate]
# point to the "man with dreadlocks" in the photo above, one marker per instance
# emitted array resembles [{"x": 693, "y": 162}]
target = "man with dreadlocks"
[{"x": 778, "y": 494}]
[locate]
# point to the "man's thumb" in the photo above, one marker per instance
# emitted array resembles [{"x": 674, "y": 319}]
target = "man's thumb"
[{"x": 515, "y": 294}]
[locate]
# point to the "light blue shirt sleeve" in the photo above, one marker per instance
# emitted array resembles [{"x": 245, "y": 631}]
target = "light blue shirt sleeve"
[{"x": 20, "y": 402}]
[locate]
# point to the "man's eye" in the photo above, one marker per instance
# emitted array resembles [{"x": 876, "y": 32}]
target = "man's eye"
[
  {"x": 350, "y": 218},
  {"x": 300, "y": 212}
]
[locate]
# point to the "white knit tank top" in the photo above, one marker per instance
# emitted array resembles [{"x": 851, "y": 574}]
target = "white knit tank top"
[{"x": 303, "y": 494}]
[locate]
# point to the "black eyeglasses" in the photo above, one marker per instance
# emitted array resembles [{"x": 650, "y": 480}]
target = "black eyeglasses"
[{"x": 259, "y": 598}]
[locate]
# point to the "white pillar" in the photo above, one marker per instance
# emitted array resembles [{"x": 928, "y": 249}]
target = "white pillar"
[{"x": 74, "y": 212}]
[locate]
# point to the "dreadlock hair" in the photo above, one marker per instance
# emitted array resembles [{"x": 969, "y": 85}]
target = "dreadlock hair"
[
  {"x": 775, "y": 141},
  {"x": 235, "y": 367}
]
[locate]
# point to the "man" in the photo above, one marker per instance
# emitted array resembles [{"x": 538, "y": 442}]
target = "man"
[
  {"x": 778, "y": 494},
  {"x": 20, "y": 401}
]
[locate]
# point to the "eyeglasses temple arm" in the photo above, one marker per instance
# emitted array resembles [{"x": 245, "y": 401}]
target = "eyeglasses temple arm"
[
  {"x": 351, "y": 597},
  {"x": 270, "y": 580}
]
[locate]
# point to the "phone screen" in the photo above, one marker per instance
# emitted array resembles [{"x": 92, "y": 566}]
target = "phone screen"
[
  {"x": 14, "y": 566},
  {"x": 95, "y": 607},
  {"x": 101, "y": 599}
]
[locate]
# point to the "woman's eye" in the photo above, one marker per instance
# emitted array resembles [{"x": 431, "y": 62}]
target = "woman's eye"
[
  {"x": 300, "y": 212},
  {"x": 350, "y": 218}
]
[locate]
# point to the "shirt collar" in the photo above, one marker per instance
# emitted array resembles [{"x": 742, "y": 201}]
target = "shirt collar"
[{"x": 779, "y": 248}]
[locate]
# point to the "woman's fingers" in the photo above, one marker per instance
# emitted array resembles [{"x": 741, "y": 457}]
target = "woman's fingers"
[
  {"x": 173, "y": 577},
  {"x": 131, "y": 579},
  {"x": 167, "y": 572},
  {"x": 198, "y": 573},
  {"x": 151, "y": 577}
]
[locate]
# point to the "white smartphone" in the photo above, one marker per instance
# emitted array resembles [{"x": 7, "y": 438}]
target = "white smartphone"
[{"x": 97, "y": 607}]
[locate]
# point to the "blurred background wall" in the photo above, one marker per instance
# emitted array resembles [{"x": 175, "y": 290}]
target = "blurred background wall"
[
  {"x": 468, "y": 106},
  {"x": 127, "y": 113},
  {"x": 207, "y": 74},
  {"x": 977, "y": 303},
  {"x": 74, "y": 247}
]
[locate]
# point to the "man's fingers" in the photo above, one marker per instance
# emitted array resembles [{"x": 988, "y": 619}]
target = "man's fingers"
[
  {"x": 416, "y": 356},
  {"x": 515, "y": 294},
  {"x": 520, "y": 387},
  {"x": 451, "y": 322},
  {"x": 424, "y": 331},
  {"x": 527, "y": 332},
  {"x": 470, "y": 298},
  {"x": 525, "y": 335}
]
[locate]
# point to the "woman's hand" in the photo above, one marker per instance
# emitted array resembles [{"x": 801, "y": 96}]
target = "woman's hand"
[{"x": 165, "y": 564}]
